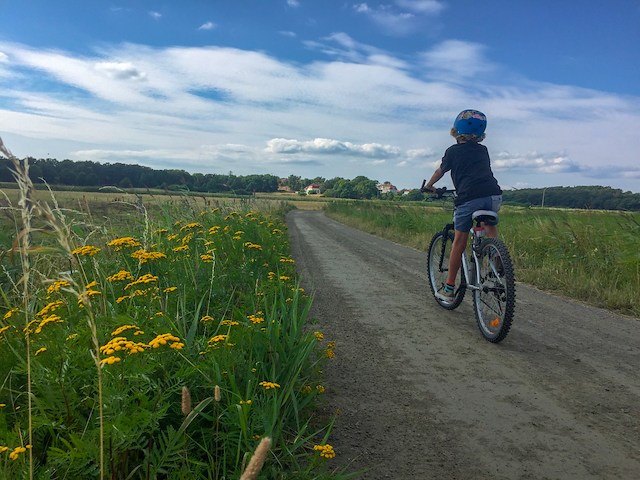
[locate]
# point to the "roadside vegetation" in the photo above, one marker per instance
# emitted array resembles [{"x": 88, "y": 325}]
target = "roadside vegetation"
[
  {"x": 588, "y": 255},
  {"x": 166, "y": 342}
]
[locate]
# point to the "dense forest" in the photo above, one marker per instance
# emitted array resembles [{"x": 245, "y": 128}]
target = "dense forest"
[{"x": 92, "y": 175}]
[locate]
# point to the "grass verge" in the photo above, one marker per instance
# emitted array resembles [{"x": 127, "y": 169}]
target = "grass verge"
[{"x": 587, "y": 255}]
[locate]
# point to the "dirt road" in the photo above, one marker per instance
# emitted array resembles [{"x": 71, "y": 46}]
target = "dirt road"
[{"x": 421, "y": 395}]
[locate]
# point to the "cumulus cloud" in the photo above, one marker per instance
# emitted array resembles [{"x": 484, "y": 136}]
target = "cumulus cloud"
[
  {"x": 329, "y": 146},
  {"x": 207, "y": 26},
  {"x": 543, "y": 163}
]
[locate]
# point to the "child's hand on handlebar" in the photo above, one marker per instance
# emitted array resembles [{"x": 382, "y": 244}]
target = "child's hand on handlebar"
[{"x": 424, "y": 188}]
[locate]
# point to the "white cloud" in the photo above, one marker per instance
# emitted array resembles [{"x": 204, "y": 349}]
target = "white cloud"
[
  {"x": 391, "y": 21},
  {"x": 456, "y": 60},
  {"x": 207, "y": 26},
  {"x": 3, "y": 57},
  {"x": 543, "y": 163},
  {"x": 403, "y": 18},
  {"x": 430, "y": 7},
  {"x": 361, "y": 112},
  {"x": 329, "y": 146},
  {"x": 121, "y": 70},
  {"x": 293, "y": 3},
  {"x": 155, "y": 15}
]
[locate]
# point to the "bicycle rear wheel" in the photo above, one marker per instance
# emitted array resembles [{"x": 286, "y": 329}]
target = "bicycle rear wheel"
[
  {"x": 494, "y": 301},
  {"x": 438, "y": 268}
]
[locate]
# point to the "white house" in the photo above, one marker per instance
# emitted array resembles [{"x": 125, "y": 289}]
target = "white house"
[
  {"x": 387, "y": 187},
  {"x": 311, "y": 189}
]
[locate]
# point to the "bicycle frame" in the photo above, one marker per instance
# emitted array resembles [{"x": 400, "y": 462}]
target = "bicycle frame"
[{"x": 472, "y": 281}]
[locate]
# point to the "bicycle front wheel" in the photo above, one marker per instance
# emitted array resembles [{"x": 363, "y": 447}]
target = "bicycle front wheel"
[
  {"x": 494, "y": 300},
  {"x": 438, "y": 265}
]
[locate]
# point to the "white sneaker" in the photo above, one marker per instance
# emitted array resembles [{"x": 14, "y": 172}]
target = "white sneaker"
[{"x": 446, "y": 296}]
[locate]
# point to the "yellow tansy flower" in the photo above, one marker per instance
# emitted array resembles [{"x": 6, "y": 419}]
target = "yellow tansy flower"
[{"x": 87, "y": 250}]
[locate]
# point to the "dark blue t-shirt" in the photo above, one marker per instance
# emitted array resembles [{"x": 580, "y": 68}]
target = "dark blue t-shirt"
[{"x": 471, "y": 173}]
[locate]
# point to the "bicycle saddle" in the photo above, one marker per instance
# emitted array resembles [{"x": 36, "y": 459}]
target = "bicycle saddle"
[{"x": 487, "y": 216}]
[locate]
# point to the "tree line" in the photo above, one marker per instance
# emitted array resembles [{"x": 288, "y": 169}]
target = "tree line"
[
  {"x": 585, "y": 197},
  {"x": 88, "y": 174}
]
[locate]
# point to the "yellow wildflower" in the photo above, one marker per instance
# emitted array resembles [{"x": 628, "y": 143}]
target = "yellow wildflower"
[
  {"x": 256, "y": 319},
  {"x": 181, "y": 248},
  {"x": 109, "y": 360},
  {"x": 10, "y": 313},
  {"x": 326, "y": 450},
  {"x": 51, "y": 307},
  {"x": 120, "y": 276},
  {"x": 169, "y": 289},
  {"x": 87, "y": 250},
  {"x": 206, "y": 318},
  {"x": 41, "y": 350},
  {"x": 50, "y": 319},
  {"x": 190, "y": 226},
  {"x": 213, "y": 230},
  {"x": 269, "y": 385},
  {"x": 4, "y": 329},
  {"x": 57, "y": 285},
  {"x": 123, "y": 328},
  {"x": 319, "y": 336},
  {"x": 217, "y": 338},
  {"x": 206, "y": 258},
  {"x": 163, "y": 339},
  {"x": 146, "y": 278},
  {"x": 16, "y": 452},
  {"x": 120, "y": 243},
  {"x": 143, "y": 256}
]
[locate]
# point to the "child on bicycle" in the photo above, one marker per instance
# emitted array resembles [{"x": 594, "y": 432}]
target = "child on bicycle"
[{"x": 476, "y": 187}]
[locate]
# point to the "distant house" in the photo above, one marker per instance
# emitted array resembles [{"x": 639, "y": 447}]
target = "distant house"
[
  {"x": 314, "y": 188},
  {"x": 387, "y": 187}
]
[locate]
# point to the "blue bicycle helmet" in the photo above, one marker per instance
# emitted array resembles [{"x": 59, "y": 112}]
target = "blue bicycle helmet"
[{"x": 470, "y": 122}]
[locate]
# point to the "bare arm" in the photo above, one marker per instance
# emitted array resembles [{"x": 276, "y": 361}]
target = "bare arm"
[{"x": 437, "y": 175}]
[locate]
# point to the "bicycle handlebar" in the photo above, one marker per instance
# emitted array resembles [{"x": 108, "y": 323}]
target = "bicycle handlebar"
[{"x": 438, "y": 192}]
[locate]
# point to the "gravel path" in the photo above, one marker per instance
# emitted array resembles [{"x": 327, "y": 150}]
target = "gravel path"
[{"x": 421, "y": 395}]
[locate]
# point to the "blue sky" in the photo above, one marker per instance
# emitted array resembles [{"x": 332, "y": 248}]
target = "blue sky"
[{"x": 330, "y": 88}]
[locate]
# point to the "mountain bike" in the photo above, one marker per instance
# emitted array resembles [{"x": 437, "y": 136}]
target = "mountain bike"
[{"x": 487, "y": 271}]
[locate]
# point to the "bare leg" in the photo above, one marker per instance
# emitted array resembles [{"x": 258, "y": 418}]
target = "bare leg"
[{"x": 455, "y": 258}]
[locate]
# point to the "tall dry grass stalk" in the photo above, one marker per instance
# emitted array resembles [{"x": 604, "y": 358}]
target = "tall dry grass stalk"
[
  {"x": 257, "y": 461},
  {"x": 21, "y": 174}
]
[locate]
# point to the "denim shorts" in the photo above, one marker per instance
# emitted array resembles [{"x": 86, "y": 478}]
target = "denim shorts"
[{"x": 462, "y": 213}]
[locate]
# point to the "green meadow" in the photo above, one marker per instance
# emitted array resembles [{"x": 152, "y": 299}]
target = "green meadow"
[
  {"x": 156, "y": 337},
  {"x": 588, "y": 255}
]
